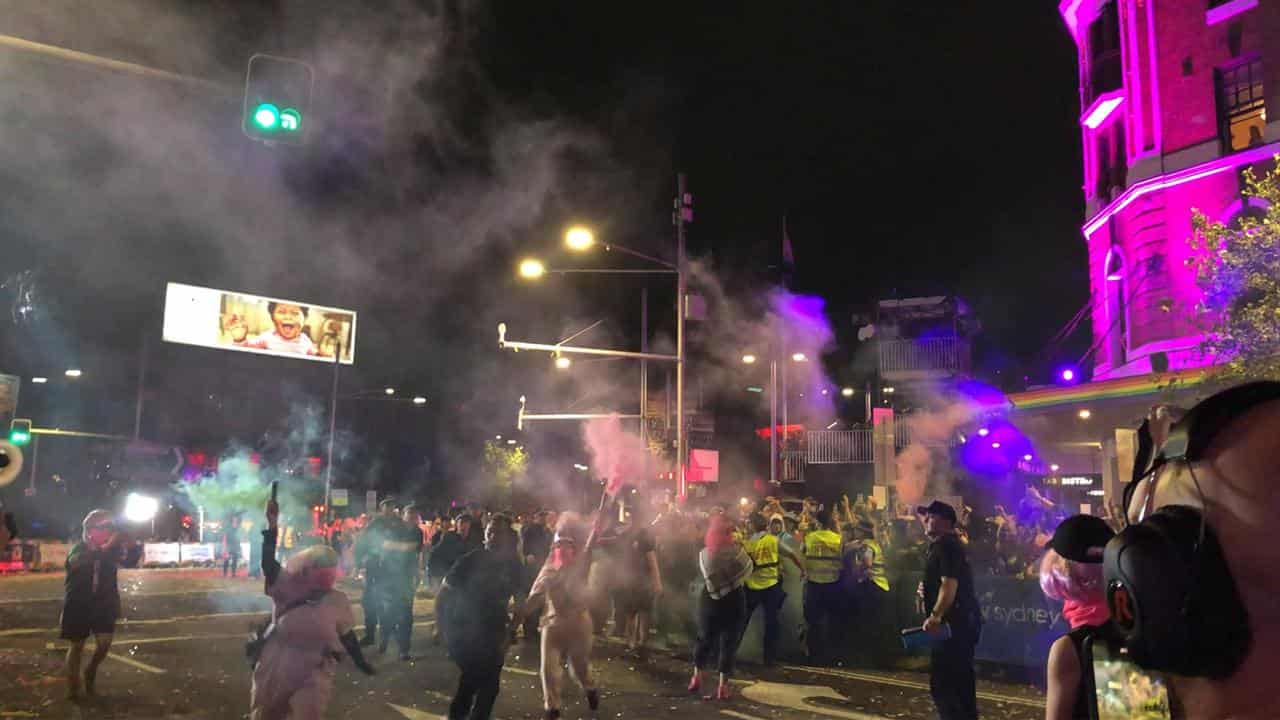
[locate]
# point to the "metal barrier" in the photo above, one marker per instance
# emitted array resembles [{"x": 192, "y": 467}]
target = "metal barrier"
[
  {"x": 923, "y": 358},
  {"x": 826, "y": 447}
]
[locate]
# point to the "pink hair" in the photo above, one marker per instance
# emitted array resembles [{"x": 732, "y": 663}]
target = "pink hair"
[
  {"x": 1067, "y": 580},
  {"x": 719, "y": 534}
]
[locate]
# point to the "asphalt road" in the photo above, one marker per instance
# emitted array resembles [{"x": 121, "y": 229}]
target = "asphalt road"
[{"x": 179, "y": 654}]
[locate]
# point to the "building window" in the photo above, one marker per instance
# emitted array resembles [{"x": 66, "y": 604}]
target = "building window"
[
  {"x": 1242, "y": 108},
  {"x": 1115, "y": 285},
  {"x": 1110, "y": 166},
  {"x": 1105, "y": 70}
]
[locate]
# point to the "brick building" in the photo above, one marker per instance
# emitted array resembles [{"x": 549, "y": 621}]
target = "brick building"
[{"x": 1174, "y": 101}]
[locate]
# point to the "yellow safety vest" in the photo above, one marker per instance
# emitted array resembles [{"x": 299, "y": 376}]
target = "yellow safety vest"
[
  {"x": 822, "y": 556},
  {"x": 764, "y": 553},
  {"x": 877, "y": 574}
]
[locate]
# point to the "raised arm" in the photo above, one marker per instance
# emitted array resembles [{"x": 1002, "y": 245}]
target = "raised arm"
[{"x": 270, "y": 566}]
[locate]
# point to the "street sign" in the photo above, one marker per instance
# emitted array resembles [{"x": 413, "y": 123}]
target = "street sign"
[
  {"x": 9, "y": 385},
  {"x": 338, "y": 497}
]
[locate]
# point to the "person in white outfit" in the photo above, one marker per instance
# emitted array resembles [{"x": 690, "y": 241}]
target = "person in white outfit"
[
  {"x": 311, "y": 625},
  {"x": 560, "y": 592}
]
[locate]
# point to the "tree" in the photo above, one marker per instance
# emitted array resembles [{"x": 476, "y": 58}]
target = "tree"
[
  {"x": 1237, "y": 265},
  {"x": 504, "y": 464}
]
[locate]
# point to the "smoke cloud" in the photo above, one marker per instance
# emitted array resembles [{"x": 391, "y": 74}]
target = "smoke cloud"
[{"x": 617, "y": 455}]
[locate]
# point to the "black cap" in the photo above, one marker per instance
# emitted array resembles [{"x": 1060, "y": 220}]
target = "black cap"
[
  {"x": 1081, "y": 538},
  {"x": 939, "y": 508}
]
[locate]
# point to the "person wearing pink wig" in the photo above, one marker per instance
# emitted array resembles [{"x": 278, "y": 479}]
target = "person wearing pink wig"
[
  {"x": 1071, "y": 571},
  {"x": 722, "y": 605}
]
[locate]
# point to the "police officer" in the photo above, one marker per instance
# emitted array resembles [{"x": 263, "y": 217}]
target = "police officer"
[
  {"x": 954, "y": 615},
  {"x": 368, "y": 555},
  {"x": 868, "y": 585},
  {"x": 764, "y": 585},
  {"x": 823, "y": 599},
  {"x": 401, "y": 558}
]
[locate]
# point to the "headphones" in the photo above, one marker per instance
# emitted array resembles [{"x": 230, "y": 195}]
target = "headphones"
[{"x": 1172, "y": 598}]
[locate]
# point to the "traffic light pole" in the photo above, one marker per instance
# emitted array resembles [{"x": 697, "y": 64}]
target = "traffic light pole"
[
  {"x": 333, "y": 427},
  {"x": 682, "y": 435}
]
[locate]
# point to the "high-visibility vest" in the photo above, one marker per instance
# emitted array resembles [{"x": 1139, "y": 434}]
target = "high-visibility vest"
[
  {"x": 877, "y": 574},
  {"x": 822, "y": 556},
  {"x": 763, "y": 550}
]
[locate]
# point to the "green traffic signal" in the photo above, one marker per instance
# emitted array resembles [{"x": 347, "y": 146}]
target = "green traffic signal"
[
  {"x": 290, "y": 120},
  {"x": 19, "y": 437},
  {"x": 266, "y": 116}
]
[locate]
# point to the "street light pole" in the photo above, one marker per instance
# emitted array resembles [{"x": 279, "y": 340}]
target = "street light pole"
[
  {"x": 333, "y": 428},
  {"x": 684, "y": 205},
  {"x": 773, "y": 422}
]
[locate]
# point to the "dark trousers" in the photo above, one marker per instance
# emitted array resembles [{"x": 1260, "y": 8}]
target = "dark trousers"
[
  {"x": 477, "y": 691},
  {"x": 869, "y": 624},
  {"x": 232, "y": 562},
  {"x": 371, "y": 601},
  {"x": 951, "y": 678},
  {"x": 771, "y": 599},
  {"x": 824, "y": 605},
  {"x": 397, "y": 613},
  {"x": 720, "y": 629}
]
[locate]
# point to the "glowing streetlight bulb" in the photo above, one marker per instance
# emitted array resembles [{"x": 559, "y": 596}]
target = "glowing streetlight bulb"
[
  {"x": 983, "y": 432},
  {"x": 798, "y": 357},
  {"x": 1054, "y": 467},
  {"x": 419, "y": 400},
  {"x": 995, "y": 445},
  {"x": 563, "y": 363},
  {"x": 532, "y": 269},
  {"x": 1026, "y": 458},
  {"x": 748, "y": 359},
  {"x": 1084, "y": 414},
  {"x": 39, "y": 380},
  {"x": 847, "y": 392},
  {"x": 73, "y": 373},
  {"x": 579, "y": 238},
  {"x": 390, "y": 391},
  {"x": 744, "y": 502}
]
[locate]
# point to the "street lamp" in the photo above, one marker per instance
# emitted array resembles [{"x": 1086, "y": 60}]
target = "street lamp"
[
  {"x": 419, "y": 400},
  {"x": 748, "y": 359},
  {"x": 532, "y": 268},
  {"x": 390, "y": 391},
  {"x": 798, "y": 357},
  {"x": 39, "y": 380},
  {"x": 73, "y": 373},
  {"x": 847, "y": 392},
  {"x": 563, "y": 363},
  {"x": 579, "y": 238}
]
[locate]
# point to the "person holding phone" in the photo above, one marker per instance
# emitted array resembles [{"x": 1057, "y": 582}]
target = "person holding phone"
[{"x": 1071, "y": 571}]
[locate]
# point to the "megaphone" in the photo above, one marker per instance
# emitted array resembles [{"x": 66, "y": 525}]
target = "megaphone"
[{"x": 10, "y": 462}]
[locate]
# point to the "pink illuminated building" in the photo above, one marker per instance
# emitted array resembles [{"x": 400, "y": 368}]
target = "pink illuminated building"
[{"x": 1174, "y": 99}]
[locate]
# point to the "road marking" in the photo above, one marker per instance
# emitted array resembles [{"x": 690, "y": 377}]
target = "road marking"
[
  {"x": 140, "y": 665},
  {"x": 740, "y": 715},
  {"x": 127, "y": 596},
  {"x": 156, "y": 621},
  {"x": 796, "y": 697},
  {"x": 520, "y": 671},
  {"x": 413, "y": 714},
  {"x": 887, "y": 680}
]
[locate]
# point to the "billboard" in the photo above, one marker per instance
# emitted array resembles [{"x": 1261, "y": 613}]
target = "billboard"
[{"x": 269, "y": 326}]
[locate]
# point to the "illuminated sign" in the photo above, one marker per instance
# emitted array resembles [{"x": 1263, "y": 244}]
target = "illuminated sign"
[
  {"x": 248, "y": 323},
  {"x": 1078, "y": 480}
]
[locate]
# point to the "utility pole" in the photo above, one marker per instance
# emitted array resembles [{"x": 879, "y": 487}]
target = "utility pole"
[
  {"x": 773, "y": 421},
  {"x": 644, "y": 367},
  {"x": 683, "y": 214},
  {"x": 333, "y": 429}
]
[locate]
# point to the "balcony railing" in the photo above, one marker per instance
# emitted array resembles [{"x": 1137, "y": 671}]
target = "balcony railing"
[
  {"x": 905, "y": 359},
  {"x": 791, "y": 467},
  {"x": 829, "y": 447}
]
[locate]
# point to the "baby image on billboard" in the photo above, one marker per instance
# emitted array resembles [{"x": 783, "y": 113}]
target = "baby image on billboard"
[{"x": 270, "y": 326}]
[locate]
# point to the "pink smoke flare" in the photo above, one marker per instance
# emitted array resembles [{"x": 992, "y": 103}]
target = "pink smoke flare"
[{"x": 616, "y": 455}]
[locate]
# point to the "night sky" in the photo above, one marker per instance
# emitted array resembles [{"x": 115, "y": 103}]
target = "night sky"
[{"x": 914, "y": 150}]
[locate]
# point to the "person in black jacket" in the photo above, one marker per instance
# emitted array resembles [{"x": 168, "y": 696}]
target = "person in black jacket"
[
  {"x": 954, "y": 616},
  {"x": 472, "y": 608},
  {"x": 368, "y": 555},
  {"x": 91, "y": 603},
  {"x": 535, "y": 543}
]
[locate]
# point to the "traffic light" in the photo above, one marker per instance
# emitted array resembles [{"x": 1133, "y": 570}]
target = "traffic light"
[
  {"x": 19, "y": 431},
  {"x": 277, "y": 99}
]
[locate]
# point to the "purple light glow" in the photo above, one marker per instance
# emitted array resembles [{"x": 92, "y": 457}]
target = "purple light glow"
[
  {"x": 983, "y": 432},
  {"x": 1228, "y": 10},
  {"x": 1068, "y": 375},
  {"x": 1102, "y": 109}
]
